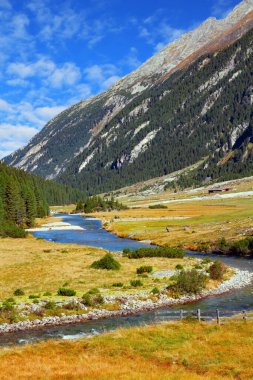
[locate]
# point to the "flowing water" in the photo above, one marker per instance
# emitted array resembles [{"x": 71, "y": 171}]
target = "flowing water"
[{"x": 93, "y": 235}]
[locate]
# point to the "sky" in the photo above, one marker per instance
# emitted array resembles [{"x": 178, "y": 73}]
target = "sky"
[{"x": 54, "y": 53}]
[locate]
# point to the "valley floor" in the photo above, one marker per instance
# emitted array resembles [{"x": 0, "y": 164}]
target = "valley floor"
[
  {"x": 170, "y": 351},
  {"x": 189, "y": 224}
]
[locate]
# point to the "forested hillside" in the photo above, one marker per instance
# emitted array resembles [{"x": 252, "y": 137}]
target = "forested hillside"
[
  {"x": 156, "y": 121},
  {"x": 23, "y": 197},
  {"x": 205, "y": 111}
]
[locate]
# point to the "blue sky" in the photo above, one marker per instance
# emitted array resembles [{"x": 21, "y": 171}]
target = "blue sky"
[{"x": 54, "y": 53}]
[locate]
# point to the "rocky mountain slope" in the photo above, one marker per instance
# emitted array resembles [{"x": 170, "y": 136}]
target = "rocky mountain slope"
[{"x": 191, "y": 100}]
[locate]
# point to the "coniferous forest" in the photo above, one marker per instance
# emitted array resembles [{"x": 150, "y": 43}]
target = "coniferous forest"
[{"x": 23, "y": 197}]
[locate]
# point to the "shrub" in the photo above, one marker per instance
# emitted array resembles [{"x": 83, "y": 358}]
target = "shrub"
[
  {"x": 126, "y": 251},
  {"x": 242, "y": 247},
  {"x": 66, "y": 292},
  {"x": 8, "y": 229},
  {"x": 136, "y": 283},
  {"x": 189, "y": 282},
  {"x": 7, "y": 306},
  {"x": 217, "y": 270},
  {"x": 47, "y": 294},
  {"x": 94, "y": 291},
  {"x": 72, "y": 305},
  {"x": 155, "y": 291},
  {"x": 179, "y": 267},
  {"x": 144, "y": 269},
  {"x": 168, "y": 252},
  {"x": 154, "y": 207},
  {"x": 33, "y": 297},
  {"x": 11, "y": 300},
  {"x": 87, "y": 300},
  {"x": 107, "y": 262},
  {"x": 92, "y": 298},
  {"x": 50, "y": 305},
  {"x": 98, "y": 299},
  {"x": 197, "y": 266},
  {"x": 222, "y": 244},
  {"x": 206, "y": 260},
  {"x": 19, "y": 292},
  {"x": 118, "y": 284}
]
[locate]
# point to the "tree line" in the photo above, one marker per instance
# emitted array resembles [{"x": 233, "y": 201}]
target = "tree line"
[{"x": 24, "y": 197}]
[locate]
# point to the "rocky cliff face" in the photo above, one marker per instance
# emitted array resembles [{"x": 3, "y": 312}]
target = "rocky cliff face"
[{"x": 118, "y": 127}]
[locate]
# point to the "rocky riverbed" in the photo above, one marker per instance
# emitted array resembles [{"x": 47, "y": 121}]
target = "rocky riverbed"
[{"x": 128, "y": 305}]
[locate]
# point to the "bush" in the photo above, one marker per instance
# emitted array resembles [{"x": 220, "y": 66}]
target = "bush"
[
  {"x": 168, "y": 252},
  {"x": 242, "y": 247},
  {"x": 87, "y": 300},
  {"x": 66, "y": 292},
  {"x": 92, "y": 298},
  {"x": 118, "y": 284},
  {"x": 223, "y": 245},
  {"x": 217, "y": 270},
  {"x": 206, "y": 260},
  {"x": 33, "y": 297},
  {"x": 107, "y": 262},
  {"x": 50, "y": 305},
  {"x": 155, "y": 291},
  {"x": 126, "y": 251},
  {"x": 8, "y": 229},
  {"x": 154, "y": 207},
  {"x": 179, "y": 267},
  {"x": 136, "y": 283},
  {"x": 72, "y": 305},
  {"x": 19, "y": 292},
  {"x": 189, "y": 282},
  {"x": 144, "y": 269}
]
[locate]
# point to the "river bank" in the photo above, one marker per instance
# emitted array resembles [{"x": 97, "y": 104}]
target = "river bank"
[{"x": 128, "y": 305}]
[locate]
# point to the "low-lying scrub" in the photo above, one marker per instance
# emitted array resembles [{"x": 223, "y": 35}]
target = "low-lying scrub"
[
  {"x": 217, "y": 270},
  {"x": 157, "y": 207},
  {"x": 136, "y": 283},
  {"x": 168, "y": 252},
  {"x": 188, "y": 282},
  {"x": 8, "y": 229},
  {"x": 107, "y": 262},
  {"x": 66, "y": 292},
  {"x": 92, "y": 298},
  {"x": 144, "y": 269},
  {"x": 243, "y": 247}
]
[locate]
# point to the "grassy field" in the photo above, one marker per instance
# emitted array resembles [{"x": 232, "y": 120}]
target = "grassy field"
[
  {"x": 204, "y": 221},
  {"x": 171, "y": 351},
  {"x": 37, "y": 267}
]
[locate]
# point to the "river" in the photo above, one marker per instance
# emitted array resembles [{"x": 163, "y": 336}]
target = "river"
[{"x": 94, "y": 235}]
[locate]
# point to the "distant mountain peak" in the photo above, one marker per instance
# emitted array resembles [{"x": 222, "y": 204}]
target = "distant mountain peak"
[{"x": 80, "y": 133}]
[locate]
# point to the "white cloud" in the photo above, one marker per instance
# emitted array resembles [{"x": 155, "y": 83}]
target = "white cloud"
[
  {"x": 222, "y": 8},
  {"x": 5, "y": 4},
  {"x": 68, "y": 75},
  {"x": 103, "y": 76},
  {"x": 158, "y": 31},
  {"x": 47, "y": 113},
  {"x": 132, "y": 59},
  {"x": 5, "y": 106},
  {"x": 56, "y": 76},
  {"x": 14, "y": 136}
]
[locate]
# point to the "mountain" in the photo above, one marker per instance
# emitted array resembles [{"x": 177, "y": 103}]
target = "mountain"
[{"x": 191, "y": 100}]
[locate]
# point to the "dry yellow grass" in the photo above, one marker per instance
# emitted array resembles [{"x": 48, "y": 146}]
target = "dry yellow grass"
[
  {"x": 171, "y": 351},
  {"x": 207, "y": 221},
  {"x": 38, "y": 266}
]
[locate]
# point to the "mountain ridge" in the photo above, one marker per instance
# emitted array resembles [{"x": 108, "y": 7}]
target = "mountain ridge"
[{"x": 84, "y": 125}]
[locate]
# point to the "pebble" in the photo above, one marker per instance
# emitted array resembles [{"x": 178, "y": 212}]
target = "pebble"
[{"x": 129, "y": 305}]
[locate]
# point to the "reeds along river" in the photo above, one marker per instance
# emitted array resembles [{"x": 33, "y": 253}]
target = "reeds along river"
[{"x": 93, "y": 235}]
